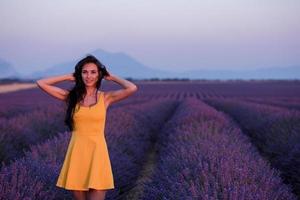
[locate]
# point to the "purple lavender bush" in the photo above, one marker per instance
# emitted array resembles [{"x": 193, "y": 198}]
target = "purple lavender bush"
[
  {"x": 291, "y": 103},
  {"x": 18, "y": 133},
  {"x": 273, "y": 130},
  {"x": 204, "y": 155}
]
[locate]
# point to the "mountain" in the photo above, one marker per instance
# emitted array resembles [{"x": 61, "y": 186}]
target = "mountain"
[
  {"x": 120, "y": 64},
  {"x": 7, "y": 70},
  {"x": 125, "y": 66}
]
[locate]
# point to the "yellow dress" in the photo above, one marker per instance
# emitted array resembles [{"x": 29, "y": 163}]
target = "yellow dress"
[{"x": 87, "y": 163}]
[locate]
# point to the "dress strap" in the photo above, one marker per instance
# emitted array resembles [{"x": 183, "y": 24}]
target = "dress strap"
[
  {"x": 102, "y": 99},
  {"x": 100, "y": 96}
]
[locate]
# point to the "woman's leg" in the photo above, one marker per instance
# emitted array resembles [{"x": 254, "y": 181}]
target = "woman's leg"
[
  {"x": 80, "y": 195},
  {"x": 96, "y": 194}
]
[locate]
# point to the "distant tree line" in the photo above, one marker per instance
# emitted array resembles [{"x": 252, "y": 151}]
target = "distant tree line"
[{"x": 15, "y": 80}]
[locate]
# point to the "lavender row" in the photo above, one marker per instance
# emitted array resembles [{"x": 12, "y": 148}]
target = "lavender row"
[
  {"x": 128, "y": 132},
  {"x": 291, "y": 103},
  {"x": 18, "y": 133},
  {"x": 204, "y": 155},
  {"x": 20, "y": 102},
  {"x": 273, "y": 130},
  {"x": 222, "y": 89}
]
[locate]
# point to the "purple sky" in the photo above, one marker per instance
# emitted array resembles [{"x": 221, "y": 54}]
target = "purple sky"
[{"x": 168, "y": 34}]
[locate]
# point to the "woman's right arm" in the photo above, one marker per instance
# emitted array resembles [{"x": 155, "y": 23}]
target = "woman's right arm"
[{"x": 46, "y": 84}]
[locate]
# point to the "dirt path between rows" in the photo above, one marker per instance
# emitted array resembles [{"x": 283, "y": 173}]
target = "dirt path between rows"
[
  {"x": 149, "y": 166},
  {"x": 145, "y": 175}
]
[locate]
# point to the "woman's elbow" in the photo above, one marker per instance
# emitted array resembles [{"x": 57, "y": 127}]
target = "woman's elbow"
[
  {"x": 134, "y": 88},
  {"x": 39, "y": 82}
]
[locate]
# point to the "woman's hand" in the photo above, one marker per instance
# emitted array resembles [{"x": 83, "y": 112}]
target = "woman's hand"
[{"x": 109, "y": 77}]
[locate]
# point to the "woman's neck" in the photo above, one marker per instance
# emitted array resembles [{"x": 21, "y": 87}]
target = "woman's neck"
[{"x": 90, "y": 91}]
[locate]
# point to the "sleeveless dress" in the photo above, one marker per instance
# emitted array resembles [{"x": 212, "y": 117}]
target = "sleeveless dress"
[{"x": 87, "y": 163}]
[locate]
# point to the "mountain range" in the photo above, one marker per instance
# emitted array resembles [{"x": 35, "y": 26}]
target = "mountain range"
[{"x": 125, "y": 66}]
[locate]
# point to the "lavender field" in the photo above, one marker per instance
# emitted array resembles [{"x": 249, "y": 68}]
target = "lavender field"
[{"x": 184, "y": 140}]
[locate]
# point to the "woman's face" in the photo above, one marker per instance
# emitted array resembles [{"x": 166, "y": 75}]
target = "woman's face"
[{"x": 90, "y": 74}]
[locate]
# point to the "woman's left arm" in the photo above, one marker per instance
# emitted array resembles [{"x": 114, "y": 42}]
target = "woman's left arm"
[{"x": 117, "y": 95}]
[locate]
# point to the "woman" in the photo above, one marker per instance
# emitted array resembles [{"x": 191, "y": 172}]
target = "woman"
[{"x": 87, "y": 169}]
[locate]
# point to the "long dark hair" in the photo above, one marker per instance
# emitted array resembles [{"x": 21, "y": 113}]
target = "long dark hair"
[{"x": 78, "y": 92}]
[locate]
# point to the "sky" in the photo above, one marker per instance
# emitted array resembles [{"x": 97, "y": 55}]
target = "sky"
[{"x": 170, "y": 34}]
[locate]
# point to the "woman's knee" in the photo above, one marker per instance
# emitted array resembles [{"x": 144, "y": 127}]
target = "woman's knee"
[
  {"x": 79, "y": 195},
  {"x": 96, "y": 194}
]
